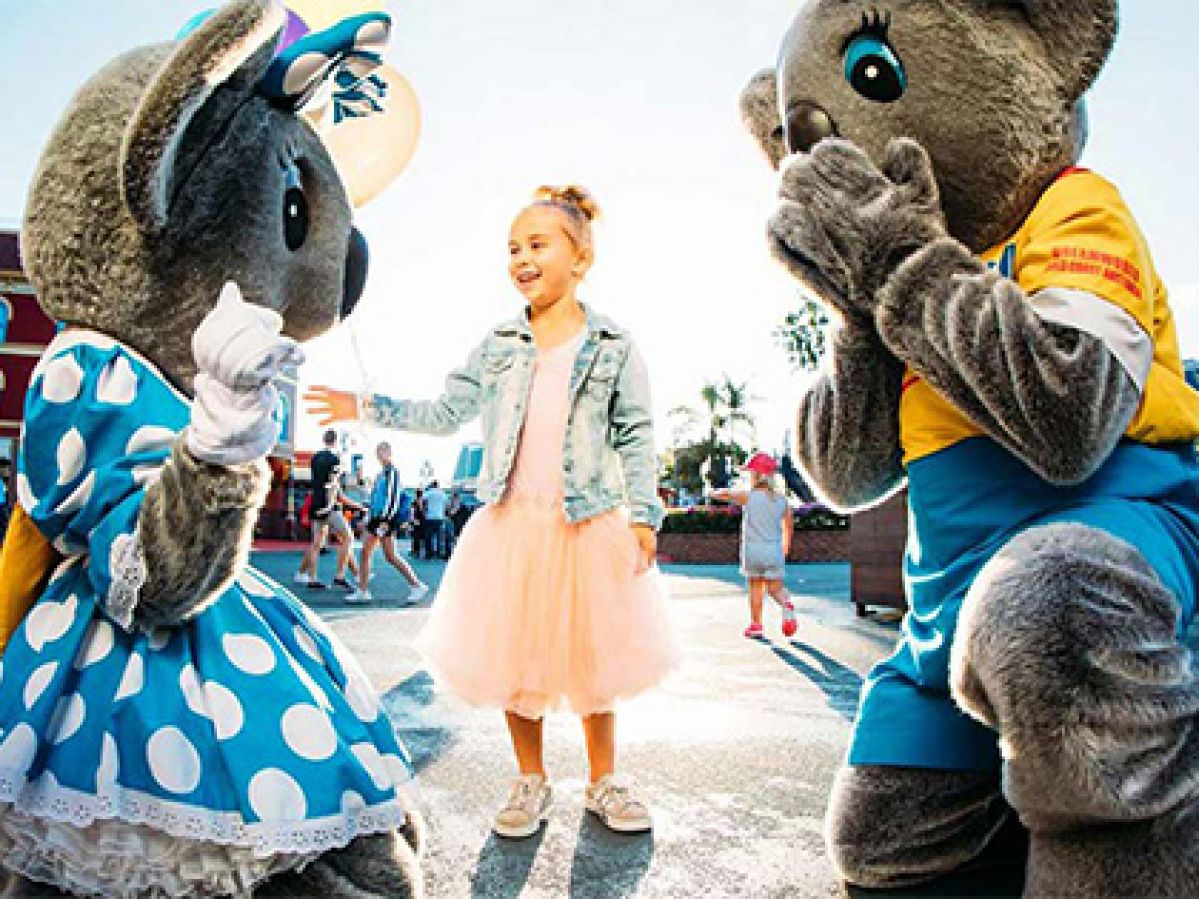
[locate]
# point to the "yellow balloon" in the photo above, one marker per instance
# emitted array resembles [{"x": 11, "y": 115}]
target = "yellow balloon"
[
  {"x": 371, "y": 151},
  {"x": 320, "y": 14}
]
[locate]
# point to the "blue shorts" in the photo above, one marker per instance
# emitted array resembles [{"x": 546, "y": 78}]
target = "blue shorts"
[{"x": 966, "y": 503}]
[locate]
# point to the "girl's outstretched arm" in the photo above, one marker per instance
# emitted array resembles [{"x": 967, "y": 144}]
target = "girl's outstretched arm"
[
  {"x": 457, "y": 405},
  {"x": 737, "y": 497}
]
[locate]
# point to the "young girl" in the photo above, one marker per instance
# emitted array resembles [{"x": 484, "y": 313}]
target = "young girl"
[
  {"x": 551, "y": 599},
  {"x": 766, "y": 530}
]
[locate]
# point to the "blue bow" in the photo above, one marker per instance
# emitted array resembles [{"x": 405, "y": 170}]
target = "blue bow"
[{"x": 341, "y": 58}]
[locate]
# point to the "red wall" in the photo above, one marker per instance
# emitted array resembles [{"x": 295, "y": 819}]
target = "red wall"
[{"x": 29, "y": 331}]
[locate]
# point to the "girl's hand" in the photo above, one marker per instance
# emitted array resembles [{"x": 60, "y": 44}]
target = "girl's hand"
[
  {"x": 647, "y": 545},
  {"x": 331, "y": 405}
]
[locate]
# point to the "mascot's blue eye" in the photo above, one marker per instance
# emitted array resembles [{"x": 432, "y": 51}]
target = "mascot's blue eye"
[{"x": 873, "y": 69}]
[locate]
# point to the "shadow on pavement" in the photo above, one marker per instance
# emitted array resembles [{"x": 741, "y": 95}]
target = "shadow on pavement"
[
  {"x": 840, "y": 684},
  {"x": 407, "y": 706},
  {"x": 608, "y": 865},
  {"x": 503, "y": 866}
]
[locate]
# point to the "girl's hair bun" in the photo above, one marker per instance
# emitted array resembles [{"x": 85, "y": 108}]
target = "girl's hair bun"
[{"x": 571, "y": 196}]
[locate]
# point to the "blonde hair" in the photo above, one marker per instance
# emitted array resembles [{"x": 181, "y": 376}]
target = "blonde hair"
[
  {"x": 576, "y": 204},
  {"x": 769, "y": 481}
]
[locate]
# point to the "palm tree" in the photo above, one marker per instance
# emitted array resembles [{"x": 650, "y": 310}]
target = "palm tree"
[{"x": 724, "y": 417}]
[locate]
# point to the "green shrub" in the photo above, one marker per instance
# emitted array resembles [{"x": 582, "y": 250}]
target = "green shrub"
[{"x": 727, "y": 520}]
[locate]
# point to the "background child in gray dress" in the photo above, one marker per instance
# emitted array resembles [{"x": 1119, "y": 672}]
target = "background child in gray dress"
[{"x": 766, "y": 530}]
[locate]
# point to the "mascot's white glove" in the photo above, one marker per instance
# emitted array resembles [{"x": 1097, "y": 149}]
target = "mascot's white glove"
[{"x": 239, "y": 350}]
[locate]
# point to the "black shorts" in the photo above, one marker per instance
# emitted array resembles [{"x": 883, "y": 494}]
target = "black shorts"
[{"x": 376, "y": 527}]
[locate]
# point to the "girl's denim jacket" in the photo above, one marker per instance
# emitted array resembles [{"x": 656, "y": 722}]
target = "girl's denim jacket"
[{"x": 608, "y": 456}]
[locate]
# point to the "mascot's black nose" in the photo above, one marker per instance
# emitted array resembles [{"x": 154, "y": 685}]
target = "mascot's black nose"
[
  {"x": 808, "y": 125},
  {"x": 357, "y": 262}
]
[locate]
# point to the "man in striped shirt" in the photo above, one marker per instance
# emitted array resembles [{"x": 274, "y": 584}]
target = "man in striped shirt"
[{"x": 385, "y": 520}]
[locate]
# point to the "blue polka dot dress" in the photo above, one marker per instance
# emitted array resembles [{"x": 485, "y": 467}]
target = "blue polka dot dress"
[{"x": 186, "y": 761}]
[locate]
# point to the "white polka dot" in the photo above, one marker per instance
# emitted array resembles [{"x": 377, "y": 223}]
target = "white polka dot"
[
  {"x": 361, "y": 697},
  {"x": 25, "y": 495},
  {"x": 132, "y": 679},
  {"x": 38, "y": 682},
  {"x": 368, "y": 756},
  {"x": 149, "y": 438},
  {"x": 251, "y": 654},
  {"x": 319, "y": 695},
  {"x": 72, "y": 453},
  {"x": 397, "y": 769},
  {"x": 173, "y": 760},
  {"x": 67, "y": 546},
  {"x": 68, "y": 718},
  {"x": 18, "y": 749},
  {"x": 78, "y": 497},
  {"x": 1, "y": 671},
  {"x": 145, "y": 475},
  {"x": 97, "y": 644},
  {"x": 110, "y": 764},
  {"x": 254, "y": 587},
  {"x": 305, "y": 642},
  {"x": 275, "y": 796},
  {"x": 118, "y": 383},
  {"x": 159, "y": 638},
  {"x": 64, "y": 568},
  {"x": 309, "y": 733},
  {"x": 302, "y": 70},
  {"x": 352, "y": 802},
  {"x": 193, "y": 694},
  {"x": 224, "y": 709},
  {"x": 49, "y": 621},
  {"x": 61, "y": 380}
]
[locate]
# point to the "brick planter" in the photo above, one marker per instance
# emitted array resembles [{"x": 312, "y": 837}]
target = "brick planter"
[{"x": 725, "y": 549}]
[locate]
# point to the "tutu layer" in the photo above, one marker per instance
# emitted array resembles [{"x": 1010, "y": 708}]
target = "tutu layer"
[{"x": 536, "y": 614}]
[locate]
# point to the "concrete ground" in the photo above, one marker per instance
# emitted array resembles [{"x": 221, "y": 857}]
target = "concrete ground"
[{"x": 735, "y": 753}]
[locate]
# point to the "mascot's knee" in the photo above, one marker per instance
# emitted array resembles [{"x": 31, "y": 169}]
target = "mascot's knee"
[{"x": 1052, "y": 597}]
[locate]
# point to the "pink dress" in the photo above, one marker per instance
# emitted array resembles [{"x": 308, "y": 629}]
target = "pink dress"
[{"x": 534, "y": 613}]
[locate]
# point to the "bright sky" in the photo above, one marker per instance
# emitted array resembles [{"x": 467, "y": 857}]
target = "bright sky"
[{"x": 637, "y": 100}]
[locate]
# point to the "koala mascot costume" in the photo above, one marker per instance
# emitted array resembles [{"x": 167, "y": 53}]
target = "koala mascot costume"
[
  {"x": 171, "y": 721},
  {"x": 1004, "y": 346}
]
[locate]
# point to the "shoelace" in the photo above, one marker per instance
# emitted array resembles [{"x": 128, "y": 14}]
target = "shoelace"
[
  {"x": 521, "y": 795},
  {"x": 616, "y": 798}
]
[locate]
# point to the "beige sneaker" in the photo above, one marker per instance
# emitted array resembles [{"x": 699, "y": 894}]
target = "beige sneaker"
[
  {"x": 527, "y": 807},
  {"x": 613, "y": 803}
]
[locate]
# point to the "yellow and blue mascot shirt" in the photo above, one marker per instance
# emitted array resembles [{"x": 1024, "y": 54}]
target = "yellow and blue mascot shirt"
[{"x": 1082, "y": 261}]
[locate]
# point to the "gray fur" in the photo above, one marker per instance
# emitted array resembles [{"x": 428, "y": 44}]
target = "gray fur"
[
  {"x": 380, "y": 866},
  {"x": 1067, "y": 644},
  {"x": 760, "y": 114},
  {"x": 848, "y": 423},
  {"x": 892, "y": 827},
  {"x": 216, "y": 507},
  {"x": 1053, "y": 395}
]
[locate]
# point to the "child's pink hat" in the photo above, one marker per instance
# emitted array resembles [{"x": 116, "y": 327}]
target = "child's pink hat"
[{"x": 761, "y": 463}]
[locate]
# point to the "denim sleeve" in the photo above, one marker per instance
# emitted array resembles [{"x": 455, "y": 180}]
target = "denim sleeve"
[
  {"x": 457, "y": 405},
  {"x": 633, "y": 440}
]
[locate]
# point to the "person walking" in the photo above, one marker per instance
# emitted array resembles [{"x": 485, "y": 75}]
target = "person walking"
[
  {"x": 766, "y": 532},
  {"x": 552, "y": 599},
  {"x": 435, "y": 506},
  {"x": 327, "y": 517},
  {"x": 385, "y": 521}
]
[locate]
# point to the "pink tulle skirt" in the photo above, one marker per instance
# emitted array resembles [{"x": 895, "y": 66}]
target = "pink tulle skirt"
[{"x": 535, "y": 614}]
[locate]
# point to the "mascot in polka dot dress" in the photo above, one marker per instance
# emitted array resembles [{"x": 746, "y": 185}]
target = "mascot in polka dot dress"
[
  {"x": 172, "y": 722},
  {"x": 1006, "y": 349}
]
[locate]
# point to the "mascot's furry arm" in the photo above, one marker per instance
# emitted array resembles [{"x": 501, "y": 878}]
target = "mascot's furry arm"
[{"x": 1055, "y": 395}]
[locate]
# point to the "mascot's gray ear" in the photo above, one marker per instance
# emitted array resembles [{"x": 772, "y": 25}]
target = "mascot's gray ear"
[
  {"x": 216, "y": 66},
  {"x": 760, "y": 113},
  {"x": 1078, "y": 35}
]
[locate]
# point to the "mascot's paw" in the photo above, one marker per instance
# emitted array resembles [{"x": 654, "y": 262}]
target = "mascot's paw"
[
  {"x": 379, "y": 866},
  {"x": 844, "y": 225},
  {"x": 1157, "y": 858}
]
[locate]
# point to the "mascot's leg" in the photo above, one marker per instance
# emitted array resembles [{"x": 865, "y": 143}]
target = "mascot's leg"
[
  {"x": 894, "y": 827},
  {"x": 1067, "y": 646},
  {"x": 380, "y": 865}
]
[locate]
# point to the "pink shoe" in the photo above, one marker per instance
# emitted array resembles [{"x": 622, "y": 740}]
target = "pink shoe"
[
  {"x": 755, "y": 632},
  {"x": 789, "y": 623}
]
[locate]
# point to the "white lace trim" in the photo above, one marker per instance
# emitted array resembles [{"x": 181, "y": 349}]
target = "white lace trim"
[
  {"x": 48, "y": 799},
  {"x": 127, "y": 570}
]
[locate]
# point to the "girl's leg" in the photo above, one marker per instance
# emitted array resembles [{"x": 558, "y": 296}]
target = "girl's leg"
[
  {"x": 600, "y": 733},
  {"x": 778, "y": 592},
  {"x": 369, "y": 542},
  {"x": 757, "y": 586},
  {"x": 399, "y": 564},
  {"x": 526, "y": 742}
]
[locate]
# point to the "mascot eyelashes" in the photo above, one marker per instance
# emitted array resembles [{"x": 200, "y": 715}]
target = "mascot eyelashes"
[
  {"x": 1005, "y": 347},
  {"x": 171, "y": 721}
]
